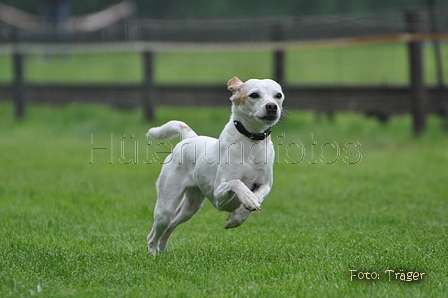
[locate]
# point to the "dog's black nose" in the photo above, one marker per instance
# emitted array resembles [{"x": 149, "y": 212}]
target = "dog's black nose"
[{"x": 271, "y": 107}]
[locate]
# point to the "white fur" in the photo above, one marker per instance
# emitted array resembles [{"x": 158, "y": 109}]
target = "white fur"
[{"x": 233, "y": 172}]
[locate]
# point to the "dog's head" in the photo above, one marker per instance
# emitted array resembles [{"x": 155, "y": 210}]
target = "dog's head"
[{"x": 256, "y": 101}]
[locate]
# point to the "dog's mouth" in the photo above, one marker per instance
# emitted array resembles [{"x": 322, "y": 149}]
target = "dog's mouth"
[{"x": 268, "y": 118}]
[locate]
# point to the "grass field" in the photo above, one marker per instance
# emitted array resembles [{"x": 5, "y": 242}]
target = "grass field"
[
  {"x": 76, "y": 227},
  {"x": 382, "y": 64}
]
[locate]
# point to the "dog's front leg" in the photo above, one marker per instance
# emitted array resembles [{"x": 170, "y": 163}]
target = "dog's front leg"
[
  {"x": 247, "y": 198},
  {"x": 262, "y": 192},
  {"x": 240, "y": 215}
]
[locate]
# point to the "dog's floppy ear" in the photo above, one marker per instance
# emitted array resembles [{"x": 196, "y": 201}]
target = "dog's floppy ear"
[{"x": 233, "y": 84}]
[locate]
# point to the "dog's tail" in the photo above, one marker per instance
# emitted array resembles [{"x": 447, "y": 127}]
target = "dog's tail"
[{"x": 171, "y": 130}]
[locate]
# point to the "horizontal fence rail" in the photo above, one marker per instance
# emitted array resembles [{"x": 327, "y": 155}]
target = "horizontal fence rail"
[
  {"x": 160, "y": 46},
  {"x": 369, "y": 100}
]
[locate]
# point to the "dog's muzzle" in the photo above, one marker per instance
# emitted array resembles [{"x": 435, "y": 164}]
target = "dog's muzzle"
[{"x": 271, "y": 114}]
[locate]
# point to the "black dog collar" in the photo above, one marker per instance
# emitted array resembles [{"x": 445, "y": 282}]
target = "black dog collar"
[{"x": 253, "y": 136}]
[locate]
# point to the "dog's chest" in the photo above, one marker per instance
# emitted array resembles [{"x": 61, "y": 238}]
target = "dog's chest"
[
  {"x": 257, "y": 154},
  {"x": 251, "y": 174},
  {"x": 249, "y": 167}
]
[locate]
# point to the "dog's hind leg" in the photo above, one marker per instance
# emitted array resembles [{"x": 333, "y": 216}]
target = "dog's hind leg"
[
  {"x": 191, "y": 203},
  {"x": 167, "y": 201}
]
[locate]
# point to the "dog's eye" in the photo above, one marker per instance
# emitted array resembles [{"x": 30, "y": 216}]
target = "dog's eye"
[
  {"x": 254, "y": 95},
  {"x": 278, "y": 96}
]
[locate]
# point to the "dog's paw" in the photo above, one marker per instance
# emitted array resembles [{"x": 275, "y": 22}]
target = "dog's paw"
[
  {"x": 253, "y": 208},
  {"x": 237, "y": 217},
  {"x": 152, "y": 249},
  {"x": 230, "y": 224},
  {"x": 251, "y": 203}
]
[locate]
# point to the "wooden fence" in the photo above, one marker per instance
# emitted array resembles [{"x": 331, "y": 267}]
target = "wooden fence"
[{"x": 376, "y": 100}]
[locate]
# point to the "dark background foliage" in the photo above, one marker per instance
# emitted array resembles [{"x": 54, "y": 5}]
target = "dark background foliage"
[{"x": 230, "y": 8}]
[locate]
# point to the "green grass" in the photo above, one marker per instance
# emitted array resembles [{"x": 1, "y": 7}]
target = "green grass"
[
  {"x": 74, "y": 229},
  {"x": 121, "y": 68},
  {"x": 381, "y": 64}
]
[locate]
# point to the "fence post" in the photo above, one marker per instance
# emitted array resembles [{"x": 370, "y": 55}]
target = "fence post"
[
  {"x": 441, "y": 94},
  {"x": 417, "y": 89},
  {"x": 279, "y": 54},
  {"x": 436, "y": 43},
  {"x": 19, "y": 80},
  {"x": 149, "y": 86}
]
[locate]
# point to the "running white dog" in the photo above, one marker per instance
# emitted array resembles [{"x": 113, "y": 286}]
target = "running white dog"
[{"x": 234, "y": 172}]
